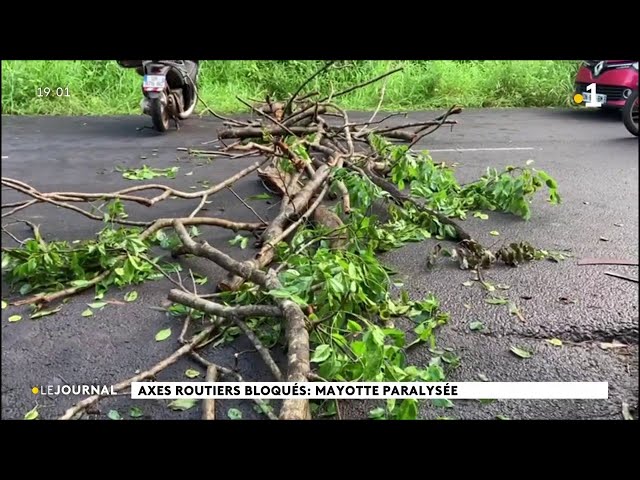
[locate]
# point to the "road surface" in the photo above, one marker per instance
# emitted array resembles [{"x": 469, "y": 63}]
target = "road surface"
[{"x": 590, "y": 153}]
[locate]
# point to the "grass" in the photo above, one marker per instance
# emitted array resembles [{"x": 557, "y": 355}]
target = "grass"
[{"x": 102, "y": 87}]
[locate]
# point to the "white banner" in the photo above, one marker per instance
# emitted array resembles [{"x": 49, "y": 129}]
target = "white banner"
[{"x": 370, "y": 390}]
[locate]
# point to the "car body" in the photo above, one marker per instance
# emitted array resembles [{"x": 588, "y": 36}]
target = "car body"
[{"x": 614, "y": 81}]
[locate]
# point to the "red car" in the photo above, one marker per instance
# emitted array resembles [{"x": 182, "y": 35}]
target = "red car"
[{"x": 614, "y": 81}]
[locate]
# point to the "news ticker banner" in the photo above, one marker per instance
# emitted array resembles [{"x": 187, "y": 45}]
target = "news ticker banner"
[{"x": 371, "y": 390}]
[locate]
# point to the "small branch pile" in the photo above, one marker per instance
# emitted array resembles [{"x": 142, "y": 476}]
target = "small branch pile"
[{"x": 304, "y": 141}]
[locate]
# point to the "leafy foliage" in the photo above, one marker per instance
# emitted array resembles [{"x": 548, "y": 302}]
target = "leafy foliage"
[
  {"x": 345, "y": 292},
  {"x": 509, "y": 191},
  {"x": 45, "y": 266}
]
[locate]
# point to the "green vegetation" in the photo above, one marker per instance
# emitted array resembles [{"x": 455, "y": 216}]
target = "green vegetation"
[
  {"x": 102, "y": 87},
  {"x": 345, "y": 292}
]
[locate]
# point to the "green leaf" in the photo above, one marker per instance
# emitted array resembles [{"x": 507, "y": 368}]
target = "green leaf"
[
  {"x": 377, "y": 413},
  {"x": 163, "y": 334},
  {"x": 477, "y": 325},
  {"x": 496, "y": 300},
  {"x": 321, "y": 353},
  {"x": 131, "y": 296},
  {"x": 502, "y": 417},
  {"x": 520, "y": 352},
  {"x": 24, "y": 289},
  {"x": 353, "y": 326},
  {"x": 282, "y": 293},
  {"x": 97, "y": 305},
  {"x": 182, "y": 404},
  {"x": 467, "y": 283},
  {"x": 191, "y": 373},
  {"x": 87, "y": 313},
  {"x": 260, "y": 196},
  {"x": 80, "y": 283},
  {"x": 407, "y": 410},
  {"x": 486, "y": 401},
  {"x": 44, "y": 313},
  {"x": 200, "y": 280},
  {"x": 135, "y": 412},
  {"x": 495, "y": 233},
  {"x": 15, "y": 318},
  {"x": 240, "y": 240},
  {"x": 483, "y": 377},
  {"x": 114, "y": 415},
  {"x": 32, "y": 414},
  {"x": 556, "y": 342},
  {"x": 4, "y": 305},
  {"x": 481, "y": 216},
  {"x": 442, "y": 402},
  {"x": 234, "y": 414}
]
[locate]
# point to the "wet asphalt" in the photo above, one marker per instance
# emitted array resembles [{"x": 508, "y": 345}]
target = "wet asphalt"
[{"x": 590, "y": 153}]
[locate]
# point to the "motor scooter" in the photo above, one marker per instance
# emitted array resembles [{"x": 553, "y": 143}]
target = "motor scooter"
[
  {"x": 169, "y": 89},
  {"x": 630, "y": 113}
]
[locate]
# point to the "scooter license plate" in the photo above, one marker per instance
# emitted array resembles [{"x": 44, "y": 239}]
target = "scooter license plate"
[{"x": 154, "y": 83}]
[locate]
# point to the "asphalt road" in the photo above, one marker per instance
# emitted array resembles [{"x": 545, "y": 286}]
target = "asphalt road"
[{"x": 590, "y": 153}]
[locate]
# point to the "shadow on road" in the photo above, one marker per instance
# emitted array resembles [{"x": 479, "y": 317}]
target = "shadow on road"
[{"x": 596, "y": 115}]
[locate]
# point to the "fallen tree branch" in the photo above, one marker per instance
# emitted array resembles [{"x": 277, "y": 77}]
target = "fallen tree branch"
[
  {"x": 212, "y": 308},
  {"x": 209, "y": 404},
  {"x": 155, "y": 226},
  {"x": 298, "y": 365},
  {"x": 403, "y": 197}
]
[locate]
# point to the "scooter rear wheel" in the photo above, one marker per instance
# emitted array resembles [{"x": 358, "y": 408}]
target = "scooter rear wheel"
[
  {"x": 630, "y": 113},
  {"x": 159, "y": 114}
]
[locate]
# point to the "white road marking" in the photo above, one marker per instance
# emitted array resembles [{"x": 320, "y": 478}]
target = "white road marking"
[{"x": 497, "y": 149}]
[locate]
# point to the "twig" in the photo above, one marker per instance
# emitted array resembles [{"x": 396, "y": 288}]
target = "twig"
[
  {"x": 264, "y": 352},
  {"x": 193, "y": 282},
  {"x": 316, "y": 377},
  {"x": 248, "y": 206},
  {"x": 87, "y": 402},
  {"x": 382, "y": 92},
  {"x": 22, "y": 206},
  {"x": 122, "y": 194},
  {"x": 268, "y": 117},
  {"x": 15, "y": 239},
  {"x": 287, "y": 107},
  {"x": 185, "y": 327},
  {"x": 361, "y": 85},
  {"x": 346, "y": 200},
  {"x": 206, "y": 306},
  {"x": 180, "y": 285},
  {"x": 209, "y": 404},
  {"x": 218, "y": 116},
  {"x": 50, "y": 297},
  {"x": 441, "y": 121},
  {"x": 202, "y": 203},
  {"x": 623, "y": 277}
]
